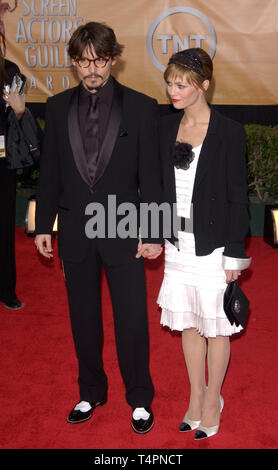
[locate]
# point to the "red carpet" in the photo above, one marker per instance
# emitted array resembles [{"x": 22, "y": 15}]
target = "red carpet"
[{"x": 39, "y": 368}]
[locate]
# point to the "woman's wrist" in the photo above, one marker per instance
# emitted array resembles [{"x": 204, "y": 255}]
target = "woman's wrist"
[{"x": 19, "y": 112}]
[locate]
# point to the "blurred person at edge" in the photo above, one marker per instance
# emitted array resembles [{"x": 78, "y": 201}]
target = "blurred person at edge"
[
  {"x": 16, "y": 104},
  {"x": 204, "y": 173}
]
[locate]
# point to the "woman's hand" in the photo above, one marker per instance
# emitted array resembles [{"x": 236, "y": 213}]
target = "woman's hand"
[
  {"x": 232, "y": 275},
  {"x": 149, "y": 250},
  {"x": 16, "y": 101}
]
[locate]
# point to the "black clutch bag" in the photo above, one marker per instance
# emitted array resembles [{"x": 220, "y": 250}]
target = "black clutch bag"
[{"x": 236, "y": 304}]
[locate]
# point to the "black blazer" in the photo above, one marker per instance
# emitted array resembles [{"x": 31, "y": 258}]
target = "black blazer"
[
  {"x": 220, "y": 202},
  {"x": 128, "y": 167}
]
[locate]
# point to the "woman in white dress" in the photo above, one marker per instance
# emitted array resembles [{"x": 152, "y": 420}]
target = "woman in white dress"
[{"x": 204, "y": 179}]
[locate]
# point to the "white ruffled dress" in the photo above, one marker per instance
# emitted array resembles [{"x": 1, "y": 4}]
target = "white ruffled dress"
[{"x": 191, "y": 294}]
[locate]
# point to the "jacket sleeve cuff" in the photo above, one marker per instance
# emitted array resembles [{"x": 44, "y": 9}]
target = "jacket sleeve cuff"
[
  {"x": 158, "y": 239},
  {"x": 229, "y": 263}
]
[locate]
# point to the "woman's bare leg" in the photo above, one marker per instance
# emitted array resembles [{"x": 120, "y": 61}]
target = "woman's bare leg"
[
  {"x": 195, "y": 350},
  {"x": 218, "y": 360}
]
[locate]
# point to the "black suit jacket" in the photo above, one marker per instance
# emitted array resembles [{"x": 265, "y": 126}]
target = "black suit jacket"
[
  {"x": 220, "y": 202},
  {"x": 128, "y": 167}
]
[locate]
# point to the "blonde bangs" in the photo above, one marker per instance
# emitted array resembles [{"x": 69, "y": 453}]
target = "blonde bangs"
[{"x": 175, "y": 71}]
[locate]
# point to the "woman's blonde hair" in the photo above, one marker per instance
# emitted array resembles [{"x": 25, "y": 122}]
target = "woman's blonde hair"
[{"x": 193, "y": 64}]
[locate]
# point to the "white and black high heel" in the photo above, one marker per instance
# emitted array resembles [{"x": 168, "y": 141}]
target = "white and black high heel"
[
  {"x": 205, "y": 432},
  {"x": 188, "y": 424}
]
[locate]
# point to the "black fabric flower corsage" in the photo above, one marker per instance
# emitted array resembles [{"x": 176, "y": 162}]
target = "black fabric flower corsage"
[{"x": 182, "y": 155}]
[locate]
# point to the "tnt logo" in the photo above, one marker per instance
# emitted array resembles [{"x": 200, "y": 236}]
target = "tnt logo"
[{"x": 177, "y": 29}]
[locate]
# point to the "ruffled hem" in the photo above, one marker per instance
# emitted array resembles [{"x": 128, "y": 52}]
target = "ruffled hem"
[
  {"x": 185, "y": 306},
  {"x": 209, "y": 328}
]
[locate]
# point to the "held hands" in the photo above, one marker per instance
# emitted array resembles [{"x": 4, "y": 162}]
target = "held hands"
[
  {"x": 232, "y": 275},
  {"x": 148, "y": 250},
  {"x": 16, "y": 101},
  {"x": 44, "y": 245}
]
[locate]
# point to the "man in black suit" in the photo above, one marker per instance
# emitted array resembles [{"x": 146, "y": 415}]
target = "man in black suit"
[{"x": 101, "y": 140}]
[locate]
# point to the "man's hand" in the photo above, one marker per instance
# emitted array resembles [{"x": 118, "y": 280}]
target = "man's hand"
[
  {"x": 44, "y": 245},
  {"x": 148, "y": 250}
]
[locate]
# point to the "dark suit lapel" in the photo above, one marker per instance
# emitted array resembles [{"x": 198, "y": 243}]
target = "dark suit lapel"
[
  {"x": 112, "y": 132},
  {"x": 209, "y": 148},
  {"x": 75, "y": 137}
]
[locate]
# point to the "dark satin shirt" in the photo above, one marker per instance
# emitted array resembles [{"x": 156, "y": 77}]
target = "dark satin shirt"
[{"x": 105, "y": 102}]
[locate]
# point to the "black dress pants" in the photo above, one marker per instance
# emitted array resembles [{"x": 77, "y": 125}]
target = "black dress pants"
[
  {"x": 128, "y": 294},
  {"x": 7, "y": 229}
]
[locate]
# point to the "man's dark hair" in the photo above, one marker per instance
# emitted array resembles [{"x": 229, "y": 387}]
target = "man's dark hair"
[{"x": 97, "y": 35}]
